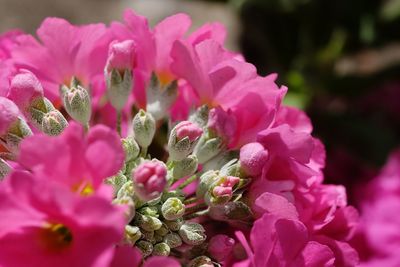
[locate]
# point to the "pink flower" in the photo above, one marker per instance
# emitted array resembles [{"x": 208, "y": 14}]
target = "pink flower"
[
  {"x": 224, "y": 189},
  {"x": 8, "y": 114},
  {"x": 79, "y": 52},
  {"x": 253, "y": 157},
  {"x": 222, "y": 123},
  {"x": 126, "y": 256},
  {"x": 24, "y": 89},
  {"x": 46, "y": 225},
  {"x": 150, "y": 179},
  {"x": 82, "y": 161},
  {"x": 188, "y": 129},
  {"x": 8, "y": 41},
  {"x": 220, "y": 246},
  {"x": 121, "y": 55}
]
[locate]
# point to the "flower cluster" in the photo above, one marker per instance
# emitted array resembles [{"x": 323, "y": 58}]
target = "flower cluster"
[{"x": 123, "y": 145}]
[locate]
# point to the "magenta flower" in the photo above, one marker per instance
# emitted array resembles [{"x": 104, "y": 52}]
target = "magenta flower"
[
  {"x": 121, "y": 55},
  {"x": 83, "y": 162},
  {"x": 8, "y": 114},
  {"x": 8, "y": 41},
  {"x": 150, "y": 179},
  {"x": 44, "y": 224},
  {"x": 221, "y": 246}
]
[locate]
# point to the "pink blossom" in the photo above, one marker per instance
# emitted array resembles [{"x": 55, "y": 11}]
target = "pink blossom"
[
  {"x": 46, "y": 225},
  {"x": 220, "y": 246},
  {"x": 8, "y": 114},
  {"x": 222, "y": 123},
  {"x": 253, "y": 157},
  {"x": 188, "y": 129},
  {"x": 150, "y": 179},
  {"x": 126, "y": 256},
  {"x": 121, "y": 55},
  {"x": 8, "y": 41},
  {"x": 79, "y": 52},
  {"x": 224, "y": 189},
  {"x": 83, "y": 161}
]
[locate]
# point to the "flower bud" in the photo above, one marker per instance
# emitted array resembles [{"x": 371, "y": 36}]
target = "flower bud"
[
  {"x": 185, "y": 167},
  {"x": 150, "y": 179},
  {"x": 131, "y": 148},
  {"x": 173, "y": 240},
  {"x": 222, "y": 123},
  {"x": 54, "y": 123},
  {"x": 147, "y": 223},
  {"x": 132, "y": 234},
  {"x": 130, "y": 207},
  {"x": 149, "y": 211},
  {"x": 192, "y": 233},
  {"x": 77, "y": 102},
  {"x": 148, "y": 235},
  {"x": 161, "y": 249},
  {"x": 160, "y": 97},
  {"x": 253, "y": 157},
  {"x": 117, "y": 181},
  {"x": 206, "y": 180},
  {"x": 220, "y": 246},
  {"x": 8, "y": 115},
  {"x": 173, "y": 208},
  {"x": 4, "y": 169},
  {"x": 183, "y": 138},
  {"x": 126, "y": 190},
  {"x": 25, "y": 88},
  {"x": 162, "y": 231},
  {"x": 174, "y": 225},
  {"x": 200, "y": 116},
  {"x": 144, "y": 128},
  {"x": 221, "y": 191},
  {"x": 145, "y": 247},
  {"x": 118, "y": 72},
  {"x": 201, "y": 261},
  {"x": 207, "y": 148}
]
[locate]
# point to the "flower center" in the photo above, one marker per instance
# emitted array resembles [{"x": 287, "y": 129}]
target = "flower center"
[
  {"x": 56, "y": 236},
  {"x": 83, "y": 188}
]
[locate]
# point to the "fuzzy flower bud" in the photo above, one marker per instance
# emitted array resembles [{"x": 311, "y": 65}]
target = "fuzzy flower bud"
[
  {"x": 200, "y": 116},
  {"x": 77, "y": 102},
  {"x": 145, "y": 247},
  {"x": 4, "y": 169},
  {"x": 221, "y": 191},
  {"x": 208, "y": 147},
  {"x": 185, "y": 167},
  {"x": 161, "y": 249},
  {"x": 184, "y": 136},
  {"x": 174, "y": 225},
  {"x": 201, "y": 261},
  {"x": 149, "y": 179},
  {"x": 173, "y": 240},
  {"x": 144, "y": 128},
  {"x": 192, "y": 233},
  {"x": 8, "y": 115},
  {"x": 131, "y": 148},
  {"x": 117, "y": 181},
  {"x": 132, "y": 234},
  {"x": 220, "y": 246},
  {"x": 253, "y": 158},
  {"x": 160, "y": 97},
  {"x": 148, "y": 223},
  {"x": 53, "y": 123},
  {"x": 130, "y": 207},
  {"x": 118, "y": 72},
  {"x": 173, "y": 208},
  {"x": 206, "y": 180}
]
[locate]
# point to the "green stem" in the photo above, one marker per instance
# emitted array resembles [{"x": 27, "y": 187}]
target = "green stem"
[
  {"x": 188, "y": 181},
  {"x": 119, "y": 121},
  {"x": 196, "y": 214},
  {"x": 143, "y": 152},
  {"x": 190, "y": 200}
]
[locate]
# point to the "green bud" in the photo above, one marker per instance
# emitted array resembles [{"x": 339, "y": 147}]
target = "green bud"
[
  {"x": 144, "y": 128},
  {"x": 4, "y": 169},
  {"x": 131, "y": 148},
  {"x": 185, "y": 167},
  {"x": 77, "y": 102},
  {"x": 174, "y": 225},
  {"x": 117, "y": 182},
  {"x": 173, "y": 208},
  {"x": 15, "y": 134},
  {"x": 148, "y": 235},
  {"x": 147, "y": 223},
  {"x": 132, "y": 234},
  {"x": 158, "y": 238},
  {"x": 36, "y": 111},
  {"x": 162, "y": 231},
  {"x": 201, "y": 261},
  {"x": 145, "y": 247},
  {"x": 161, "y": 249},
  {"x": 130, "y": 210},
  {"x": 207, "y": 148},
  {"x": 53, "y": 123},
  {"x": 160, "y": 97},
  {"x": 192, "y": 233},
  {"x": 173, "y": 240},
  {"x": 126, "y": 190},
  {"x": 149, "y": 211},
  {"x": 119, "y": 87},
  {"x": 206, "y": 180}
]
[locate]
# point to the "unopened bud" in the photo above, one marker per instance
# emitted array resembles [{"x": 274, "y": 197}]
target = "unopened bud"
[
  {"x": 77, "y": 102},
  {"x": 220, "y": 246},
  {"x": 173, "y": 240},
  {"x": 131, "y": 148},
  {"x": 145, "y": 247},
  {"x": 130, "y": 207},
  {"x": 54, "y": 123},
  {"x": 149, "y": 211},
  {"x": 208, "y": 147},
  {"x": 117, "y": 182},
  {"x": 148, "y": 223},
  {"x": 149, "y": 179},
  {"x": 185, "y": 167},
  {"x": 162, "y": 231},
  {"x": 148, "y": 235},
  {"x": 206, "y": 180},
  {"x": 132, "y": 234},
  {"x": 161, "y": 249},
  {"x": 5, "y": 169},
  {"x": 183, "y": 138},
  {"x": 192, "y": 233},
  {"x": 201, "y": 261},
  {"x": 173, "y": 208},
  {"x": 253, "y": 157},
  {"x": 144, "y": 128},
  {"x": 126, "y": 190},
  {"x": 200, "y": 116},
  {"x": 221, "y": 191},
  {"x": 160, "y": 97},
  {"x": 8, "y": 115},
  {"x": 174, "y": 225},
  {"x": 118, "y": 72}
]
